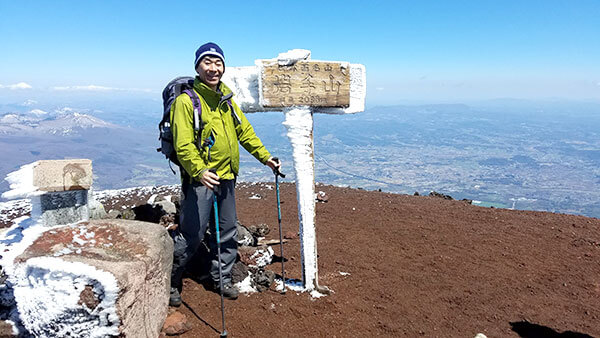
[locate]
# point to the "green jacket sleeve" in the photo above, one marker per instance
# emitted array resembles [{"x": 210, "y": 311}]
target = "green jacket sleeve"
[
  {"x": 248, "y": 139},
  {"x": 184, "y": 140}
]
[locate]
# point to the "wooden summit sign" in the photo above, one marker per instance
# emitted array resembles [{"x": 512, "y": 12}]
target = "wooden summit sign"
[
  {"x": 305, "y": 83},
  {"x": 298, "y": 87}
]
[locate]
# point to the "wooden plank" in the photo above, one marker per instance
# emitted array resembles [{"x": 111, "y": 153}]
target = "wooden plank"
[
  {"x": 305, "y": 83},
  {"x": 270, "y": 241}
]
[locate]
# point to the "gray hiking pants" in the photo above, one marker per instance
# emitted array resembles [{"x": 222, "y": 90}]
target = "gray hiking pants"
[{"x": 196, "y": 214}]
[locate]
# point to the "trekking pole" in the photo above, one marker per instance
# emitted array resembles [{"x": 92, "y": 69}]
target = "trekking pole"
[
  {"x": 277, "y": 174},
  {"x": 217, "y": 230}
]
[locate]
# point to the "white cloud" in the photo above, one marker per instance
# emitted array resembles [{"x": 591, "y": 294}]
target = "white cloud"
[
  {"x": 379, "y": 88},
  {"x": 20, "y": 85},
  {"x": 29, "y": 102},
  {"x": 95, "y": 88}
]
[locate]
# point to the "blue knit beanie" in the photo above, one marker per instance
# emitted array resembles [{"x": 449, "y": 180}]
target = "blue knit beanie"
[{"x": 210, "y": 48}]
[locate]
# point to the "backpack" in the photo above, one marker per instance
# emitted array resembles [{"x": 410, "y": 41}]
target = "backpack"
[{"x": 178, "y": 86}]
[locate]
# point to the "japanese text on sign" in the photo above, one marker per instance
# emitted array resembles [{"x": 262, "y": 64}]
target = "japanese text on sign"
[{"x": 306, "y": 83}]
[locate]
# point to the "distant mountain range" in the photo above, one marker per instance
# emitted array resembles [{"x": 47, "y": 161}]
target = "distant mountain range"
[
  {"x": 36, "y": 121},
  {"x": 538, "y": 157},
  {"x": 122, "y": 155}
]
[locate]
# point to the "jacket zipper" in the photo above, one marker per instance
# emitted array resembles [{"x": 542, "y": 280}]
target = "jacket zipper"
[{"x": 228, "y": 140}]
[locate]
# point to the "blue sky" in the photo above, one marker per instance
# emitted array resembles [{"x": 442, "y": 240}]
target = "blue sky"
[{"x": 413, "y": 51}]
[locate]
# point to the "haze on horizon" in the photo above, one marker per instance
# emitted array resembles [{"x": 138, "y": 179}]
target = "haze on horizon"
[{"x": 426, "y": 51}]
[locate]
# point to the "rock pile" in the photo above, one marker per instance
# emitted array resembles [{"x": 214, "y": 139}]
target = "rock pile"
[{"x": 254, "y": 254}]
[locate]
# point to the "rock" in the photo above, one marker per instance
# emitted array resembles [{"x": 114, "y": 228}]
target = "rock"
[
  {"x": 468, "y": 201},
  {"x": 128, "y": 214},
  {"x": 168, "y": 207},
  {"x": 168, "y": 221},
  {"x": 114, "y": 214},
  {"x": 7, "y": 330},
  {"x": 416, "y": 193},
  {"x": 96, "y": 278},
  {"x": 263, "y": 279},
  {"x": 244, "y": 237},
  {"x": 176, "y": 324},
  {"x": 175, "y": 200},
  {"x": 256, "y": 256},
  {"x": 95, "y": 208},
  {"x": 437, "y": 194},
  {"x": 61, "y": 207},
  {"x": 260, "y": 230},
  {"x": 322, "y": 197},
  {"x": 239, "y": 272},
  {"x": 148, "y": 213}
]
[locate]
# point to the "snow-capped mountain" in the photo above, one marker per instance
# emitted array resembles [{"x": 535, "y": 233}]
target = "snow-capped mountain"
[{"x": 65, "y": 121}]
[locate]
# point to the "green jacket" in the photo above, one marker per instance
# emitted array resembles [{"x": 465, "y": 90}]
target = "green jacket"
[{"x": 218, "y": 121}]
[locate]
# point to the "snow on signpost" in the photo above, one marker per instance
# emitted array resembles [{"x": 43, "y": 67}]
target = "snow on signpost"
[{"x": 299, "y": 87}]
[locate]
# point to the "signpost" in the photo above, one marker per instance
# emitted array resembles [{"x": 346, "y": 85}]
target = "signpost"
[
  {"x": 299, "y": 87},
  {"x": 306, "y": 83}
]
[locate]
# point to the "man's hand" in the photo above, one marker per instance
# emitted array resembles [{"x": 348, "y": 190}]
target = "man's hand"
[
  {"x": 274, "y": 163},
  {"x": 209, "y": 179}
]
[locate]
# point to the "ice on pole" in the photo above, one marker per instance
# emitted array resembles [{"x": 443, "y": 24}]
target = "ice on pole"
[{"x": 299, "y": 87}]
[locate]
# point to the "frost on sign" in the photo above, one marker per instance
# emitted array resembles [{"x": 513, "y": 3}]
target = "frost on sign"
[{"x": 306, "y": 83}]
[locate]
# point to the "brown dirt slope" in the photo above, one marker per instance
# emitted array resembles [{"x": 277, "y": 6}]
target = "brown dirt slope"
[{"x": 418, "y": 266}]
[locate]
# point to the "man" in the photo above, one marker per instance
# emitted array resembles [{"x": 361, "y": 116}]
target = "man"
[{"x": 210, "y": 167}]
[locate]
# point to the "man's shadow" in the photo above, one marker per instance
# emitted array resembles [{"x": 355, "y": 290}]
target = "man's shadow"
[{"x": 526, "y": 329}]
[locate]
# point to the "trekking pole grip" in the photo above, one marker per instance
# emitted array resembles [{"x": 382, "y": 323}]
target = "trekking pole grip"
[
  {"x": 216, "y": 187},
  {"x": 276, "y": 170}
]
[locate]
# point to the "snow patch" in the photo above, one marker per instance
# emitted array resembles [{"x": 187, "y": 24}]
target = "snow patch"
[
  {"x": 46, "y": 296},
  {"x": 245, "y": 286},
  {"x": 296, "y": 286},
  {"x": 38, "y": 112},
  {"x": 292, "y": 56},
  {"x": 21, "y": 183},
  {"x": 263, "y": 257},
  {"x": 152, "y": 199},
  {"x": 316, "y": 294}
]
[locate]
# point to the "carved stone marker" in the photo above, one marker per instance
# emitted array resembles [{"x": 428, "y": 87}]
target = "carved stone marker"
[
  {"x": 63, "y": 175},
  {"x": 299, "y": 87},
  {"x": 60, "y": 190}
]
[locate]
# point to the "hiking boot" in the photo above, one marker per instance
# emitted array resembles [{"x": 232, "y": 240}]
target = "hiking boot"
[
  {"x": 174, "y": 298},
  {"x": 229, "y": 290}
]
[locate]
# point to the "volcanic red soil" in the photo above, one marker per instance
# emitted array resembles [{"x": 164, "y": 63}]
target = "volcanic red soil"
[{"x": 412, "y": 266}]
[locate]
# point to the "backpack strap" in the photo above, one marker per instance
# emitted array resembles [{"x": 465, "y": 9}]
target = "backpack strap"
[
  {"x": 197, "y": 108},
  {"x": 198, "y": 125},
  {"x": 227, "y": 98}
]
